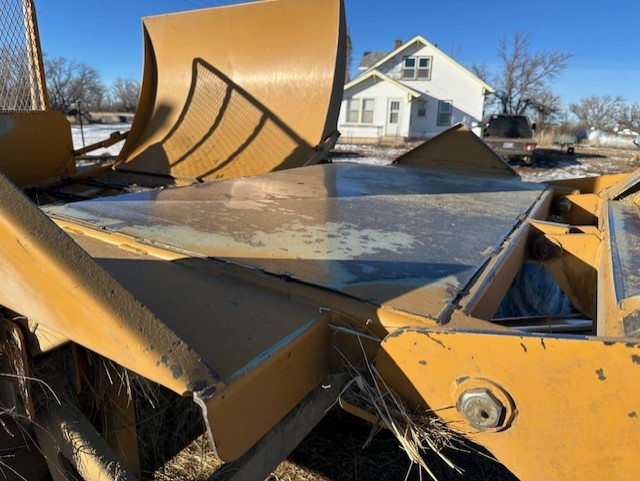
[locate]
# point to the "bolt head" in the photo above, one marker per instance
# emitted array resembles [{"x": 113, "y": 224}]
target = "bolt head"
[
  {"x": 563, "y": 206},
  {"x": 481, "y": 409},
  {"x": 544, "y": 248}
]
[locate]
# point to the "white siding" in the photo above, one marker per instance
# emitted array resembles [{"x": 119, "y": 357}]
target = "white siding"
[
  {"x": 449, "y": 82},
  {"x": 381, "y": 92}
]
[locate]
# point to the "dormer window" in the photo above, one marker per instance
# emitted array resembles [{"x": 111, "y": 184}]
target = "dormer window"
[{"x": 416, "y": 68}]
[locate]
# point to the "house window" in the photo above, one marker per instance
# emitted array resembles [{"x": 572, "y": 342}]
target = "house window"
[
  {"x": 445, "y": 107},
  {"x": 394, "y": 111},
  {"x": 421, "y": 111},
  {"x": 416, "y": 68},
  {"x": 353, "y": 111},
  {"x": 367, "y": 111},
  {"x": 424, "y": 68},
  {"x": 409, "y": 68},
  {"x": 356, "y": 115}
]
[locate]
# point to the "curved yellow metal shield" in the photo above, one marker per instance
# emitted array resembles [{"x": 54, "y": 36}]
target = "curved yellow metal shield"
[{"x": 238, "y": 90}]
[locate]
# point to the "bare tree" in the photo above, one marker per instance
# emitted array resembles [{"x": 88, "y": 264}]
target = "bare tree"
[
  {"x": 349, "y": 57},
  {"x": 480, "y": 70},
  {"x": 69, "y": 82},
  {"x": 547, "y": 105},
  {"x": 523, "y": 81},
  {"x": 629, "y": 116},
  {"x": 15, "y": 80},
  {"x": 598, "y": 111},
  {"x": 125, "y": 94}
]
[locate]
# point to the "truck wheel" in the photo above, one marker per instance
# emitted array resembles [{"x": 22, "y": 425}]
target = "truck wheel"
[{"x": 570, "y": 150}]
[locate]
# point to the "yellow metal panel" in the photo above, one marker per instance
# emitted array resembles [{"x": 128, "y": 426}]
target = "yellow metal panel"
[
  {"x": 459, "y": 150},
  {"x": 270, "y": 349},
  {"x": 618, "y": 280},
  {"x": 575, "y": 269},
  {"x": 238, "y": 90},
  {"x": 36, "y": 147},
  {"x": 261, "y": 394},
  {"x": 581, "y": 209},
  {"x": 576, "y": 402},
  {"x": 50, "y": 280},
  {"x": 591, "y": 185}
]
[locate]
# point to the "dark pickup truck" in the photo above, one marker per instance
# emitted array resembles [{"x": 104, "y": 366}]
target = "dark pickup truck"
[{"x": 509, "y": 136}]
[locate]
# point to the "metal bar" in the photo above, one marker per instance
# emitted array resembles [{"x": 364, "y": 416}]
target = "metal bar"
[
  {"x": 114, "y": 138},
  {"x": 546, "y": 324},
  {"x": 280, "y": 441},
  {"x": 72, "y": 435},
  {"x": 39, "y": 97}
]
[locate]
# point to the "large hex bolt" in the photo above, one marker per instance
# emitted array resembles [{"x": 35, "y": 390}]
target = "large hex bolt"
[
  {"x": 563, "y": 206},
  {"x": 545, "y": 248},
  {"x": 481, "y": 409}
]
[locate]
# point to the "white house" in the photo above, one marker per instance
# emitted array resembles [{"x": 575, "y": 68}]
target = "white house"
[{"x": 414, "y": 92}]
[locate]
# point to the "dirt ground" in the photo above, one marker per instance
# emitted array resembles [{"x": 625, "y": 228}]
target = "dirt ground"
[
  {"x": 552, "y": 163},
  {"x": 341, "y": 448},
  {"x": 548, "y": 163}
]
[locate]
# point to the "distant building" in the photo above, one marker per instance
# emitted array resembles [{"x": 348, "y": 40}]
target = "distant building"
[{"x": 414, "y": 92}]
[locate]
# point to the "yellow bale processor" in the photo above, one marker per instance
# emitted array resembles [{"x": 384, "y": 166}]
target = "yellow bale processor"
[{"x": 221, "y": 260}]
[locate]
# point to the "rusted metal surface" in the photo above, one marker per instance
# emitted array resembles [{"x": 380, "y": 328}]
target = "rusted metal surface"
[
  {"x": 401, "y": 237},
  {"x": 576, "y": 401},
  {"x": 239, "y": 90}
]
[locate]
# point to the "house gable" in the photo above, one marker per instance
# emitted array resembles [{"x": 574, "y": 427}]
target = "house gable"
[
  {"x": 415, "y": 91},
  {"x": 392, "y": 64},
  {"x": 373, "y": 76}
]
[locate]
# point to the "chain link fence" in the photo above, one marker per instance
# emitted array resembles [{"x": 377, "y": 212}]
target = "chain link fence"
[{"x": 21, "y": 71}]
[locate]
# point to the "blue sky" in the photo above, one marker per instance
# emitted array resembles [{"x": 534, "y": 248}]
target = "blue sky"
[{"x": 604, "y": 39}]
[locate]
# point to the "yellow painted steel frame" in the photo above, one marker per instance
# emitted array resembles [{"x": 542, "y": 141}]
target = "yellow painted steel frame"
[
  {"x": 575, "y": 401},
  {"x": 568, "y": 406},
  {"x": 49, "y": 279}
]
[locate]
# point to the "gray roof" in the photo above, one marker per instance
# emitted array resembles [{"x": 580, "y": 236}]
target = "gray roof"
[{"x": 370, "y": 58}]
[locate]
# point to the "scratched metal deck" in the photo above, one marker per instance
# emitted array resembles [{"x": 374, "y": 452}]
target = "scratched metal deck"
[{"x": 406, "y": 238}]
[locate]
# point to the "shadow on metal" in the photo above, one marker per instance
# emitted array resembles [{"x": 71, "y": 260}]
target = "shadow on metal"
[{"x": 222, "y": 131}]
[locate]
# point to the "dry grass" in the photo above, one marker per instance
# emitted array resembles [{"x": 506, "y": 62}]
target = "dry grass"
[
  {"x": 342, "y": 447},
  {"x": 416, "y": 430}
]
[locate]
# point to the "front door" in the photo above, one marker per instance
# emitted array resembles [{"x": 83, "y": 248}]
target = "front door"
[{"x": 393, "y": 117}]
